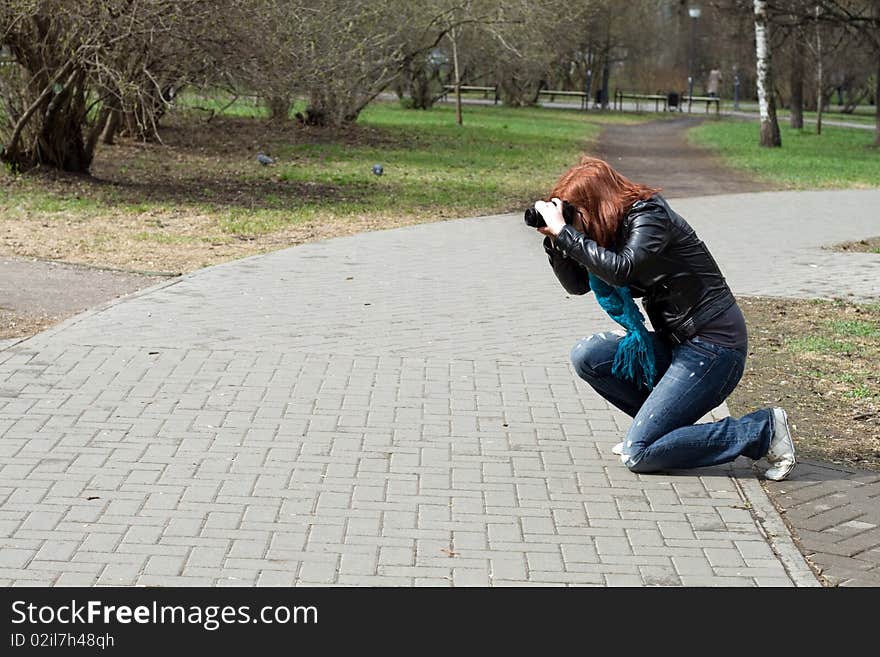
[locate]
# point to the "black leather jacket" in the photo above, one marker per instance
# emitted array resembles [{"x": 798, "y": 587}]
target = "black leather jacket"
[{"x": 659, "y": 257}]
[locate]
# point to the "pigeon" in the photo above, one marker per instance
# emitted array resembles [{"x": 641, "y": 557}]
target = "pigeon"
[
  {"x": 377, "y": 169},
  {"x": 264, "y": 159}
]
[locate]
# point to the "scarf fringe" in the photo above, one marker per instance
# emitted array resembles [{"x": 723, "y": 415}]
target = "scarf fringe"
[{"x": 634, "y": 360}]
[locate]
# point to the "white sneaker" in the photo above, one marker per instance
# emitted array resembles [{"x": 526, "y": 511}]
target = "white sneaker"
[
  {"x": 781, "y": 453},
  {"x": 617, "y": 449}
]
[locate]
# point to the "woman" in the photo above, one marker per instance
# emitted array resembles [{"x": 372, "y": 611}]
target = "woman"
[{"x": 626, "y": 235}]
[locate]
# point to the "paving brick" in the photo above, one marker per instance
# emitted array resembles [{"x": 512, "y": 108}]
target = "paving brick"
[
  {"x": 721, "y": 557},
  {"x": 75, "y": 579},
  {"x": 164, "y": 565},
  {"x": 545, "y": 561},
  {"x": 56, "y": 550},
  {"x": 470, "y": 577},
  {"x": 15, "y": 558}
]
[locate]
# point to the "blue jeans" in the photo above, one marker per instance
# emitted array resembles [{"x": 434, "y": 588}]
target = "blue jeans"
[{"x": 695, "y": 378}]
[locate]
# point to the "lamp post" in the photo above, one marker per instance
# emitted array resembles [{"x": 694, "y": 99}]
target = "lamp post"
[
  {"x": 694, "y": 13},
  {"x": 735, "y": 88}
]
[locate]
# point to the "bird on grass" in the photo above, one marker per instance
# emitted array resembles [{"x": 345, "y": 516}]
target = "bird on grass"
[
  {"x": 264, "y": 159},
  {"x": 377, "y": 169}
]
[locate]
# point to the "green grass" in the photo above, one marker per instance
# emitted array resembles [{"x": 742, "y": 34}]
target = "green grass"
[
  {"x": 861, "y": 392},
  {"x": 838, "y": 158},
  {"x": 247, "y": 107},
  {"x": 818, "y": 344},
  {"x": 855, "y": 328},
  {"x": 499, "y": 157},
  {"x": 499, "y": 160},
  {"x": 866, "y": 114}
]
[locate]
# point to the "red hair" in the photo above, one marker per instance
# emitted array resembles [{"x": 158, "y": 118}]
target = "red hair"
[{"x": 601, "y": 195}]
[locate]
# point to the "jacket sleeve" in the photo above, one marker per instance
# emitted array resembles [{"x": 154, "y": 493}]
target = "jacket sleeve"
[
  {"x": 571, "y": 275},
  {"x": 647, "y": 237}
]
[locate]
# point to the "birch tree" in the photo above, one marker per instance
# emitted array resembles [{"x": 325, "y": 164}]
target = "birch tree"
[{"x": 770, "y": 136}]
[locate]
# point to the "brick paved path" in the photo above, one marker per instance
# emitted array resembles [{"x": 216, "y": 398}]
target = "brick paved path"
[{"x": 392, "y": 408}]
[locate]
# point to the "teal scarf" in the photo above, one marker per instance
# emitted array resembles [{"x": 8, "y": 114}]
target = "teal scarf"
[{"x": 634, "y": 360}]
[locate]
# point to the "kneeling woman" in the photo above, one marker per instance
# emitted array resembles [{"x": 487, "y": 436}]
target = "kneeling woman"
[{"x": 624, "y": 242}]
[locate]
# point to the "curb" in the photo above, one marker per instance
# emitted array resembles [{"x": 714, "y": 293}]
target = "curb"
[
  {"x": 37, "y": 338},
  {"x": 774, "y": 529},
  {"x": 766, "y": 516}
]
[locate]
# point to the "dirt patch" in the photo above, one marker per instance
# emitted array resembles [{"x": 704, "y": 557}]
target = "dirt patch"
[
  {"x": 14, "y": 324},
  {"x": 818, "y": 360},
  {"x": 867, "y": 245}
]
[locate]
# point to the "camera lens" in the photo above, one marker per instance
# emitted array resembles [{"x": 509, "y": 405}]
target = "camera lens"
[{"x": 534, "y": 219}]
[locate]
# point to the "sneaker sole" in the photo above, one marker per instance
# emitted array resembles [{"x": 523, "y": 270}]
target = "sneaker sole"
[{"x": 778, "y": 474}]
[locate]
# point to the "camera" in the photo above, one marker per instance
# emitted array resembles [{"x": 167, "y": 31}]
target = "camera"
[{"x": 534, "y": 219}]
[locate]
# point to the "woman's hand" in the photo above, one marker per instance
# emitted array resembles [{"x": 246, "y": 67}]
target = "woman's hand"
[{"x": 552, "y": 213}]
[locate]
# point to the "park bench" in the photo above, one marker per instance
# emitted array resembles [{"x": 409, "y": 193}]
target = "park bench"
[
  {"x": 472, "y": 88},
  {"x": 670, "y": 101},
  {"x": 620, "y": 96},
  {"x": 553, "y": 93},
  {"x": 709, "y": 100},
  {"x": 585, "y": 99}
]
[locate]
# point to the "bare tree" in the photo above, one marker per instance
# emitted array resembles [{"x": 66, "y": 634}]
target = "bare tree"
[
  {"x": 862, "y": 18},
  {"x": 350, "y": 62},
  {"x": 854, "y": 26},
  {"x": 83, "y": 66}
]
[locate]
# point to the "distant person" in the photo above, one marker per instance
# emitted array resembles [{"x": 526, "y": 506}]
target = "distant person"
[
  {"x": 715, "y": 79},
  {"x": 625, "y": 241}
]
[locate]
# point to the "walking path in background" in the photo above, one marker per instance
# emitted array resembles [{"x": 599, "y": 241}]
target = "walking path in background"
[
  {"x": 658, "y": 154},
  {"x": 698, "y": 112}
]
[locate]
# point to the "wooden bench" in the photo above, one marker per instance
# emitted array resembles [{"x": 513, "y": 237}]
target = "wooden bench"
[
  {"x": 468, "y": 87},
  {"x": 707, "y": 99},
  {"x": 620, "y": 96},
  {"x": 585, "y": 98}
]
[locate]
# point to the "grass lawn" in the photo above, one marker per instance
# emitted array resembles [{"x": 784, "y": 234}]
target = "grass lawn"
[
  {"x": 202, "y": 198},
  {"x": 863, "y": 114},
  {"x": 838, "y": 158},
  {"x": 861, "y": 118}
]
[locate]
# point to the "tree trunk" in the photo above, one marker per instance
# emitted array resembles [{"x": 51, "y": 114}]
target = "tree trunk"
[
  {"x": 279, "y": 108},
  {"x": 57, "y": 138},
  {"x": 110, "y": 127},
  {"x": 420, "y": 89},
  {"x": 797, "y": 82},
  {"x": 606, "y": 81},
  {"x": 819, "y": 82},
  {"x": 770, "y": 136},
  {"x": 454, "y": 37},
  {"x": 60, "y": 143},
  {"x": 877, "y": 99},
  {"x": 97, "y": 129}
]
